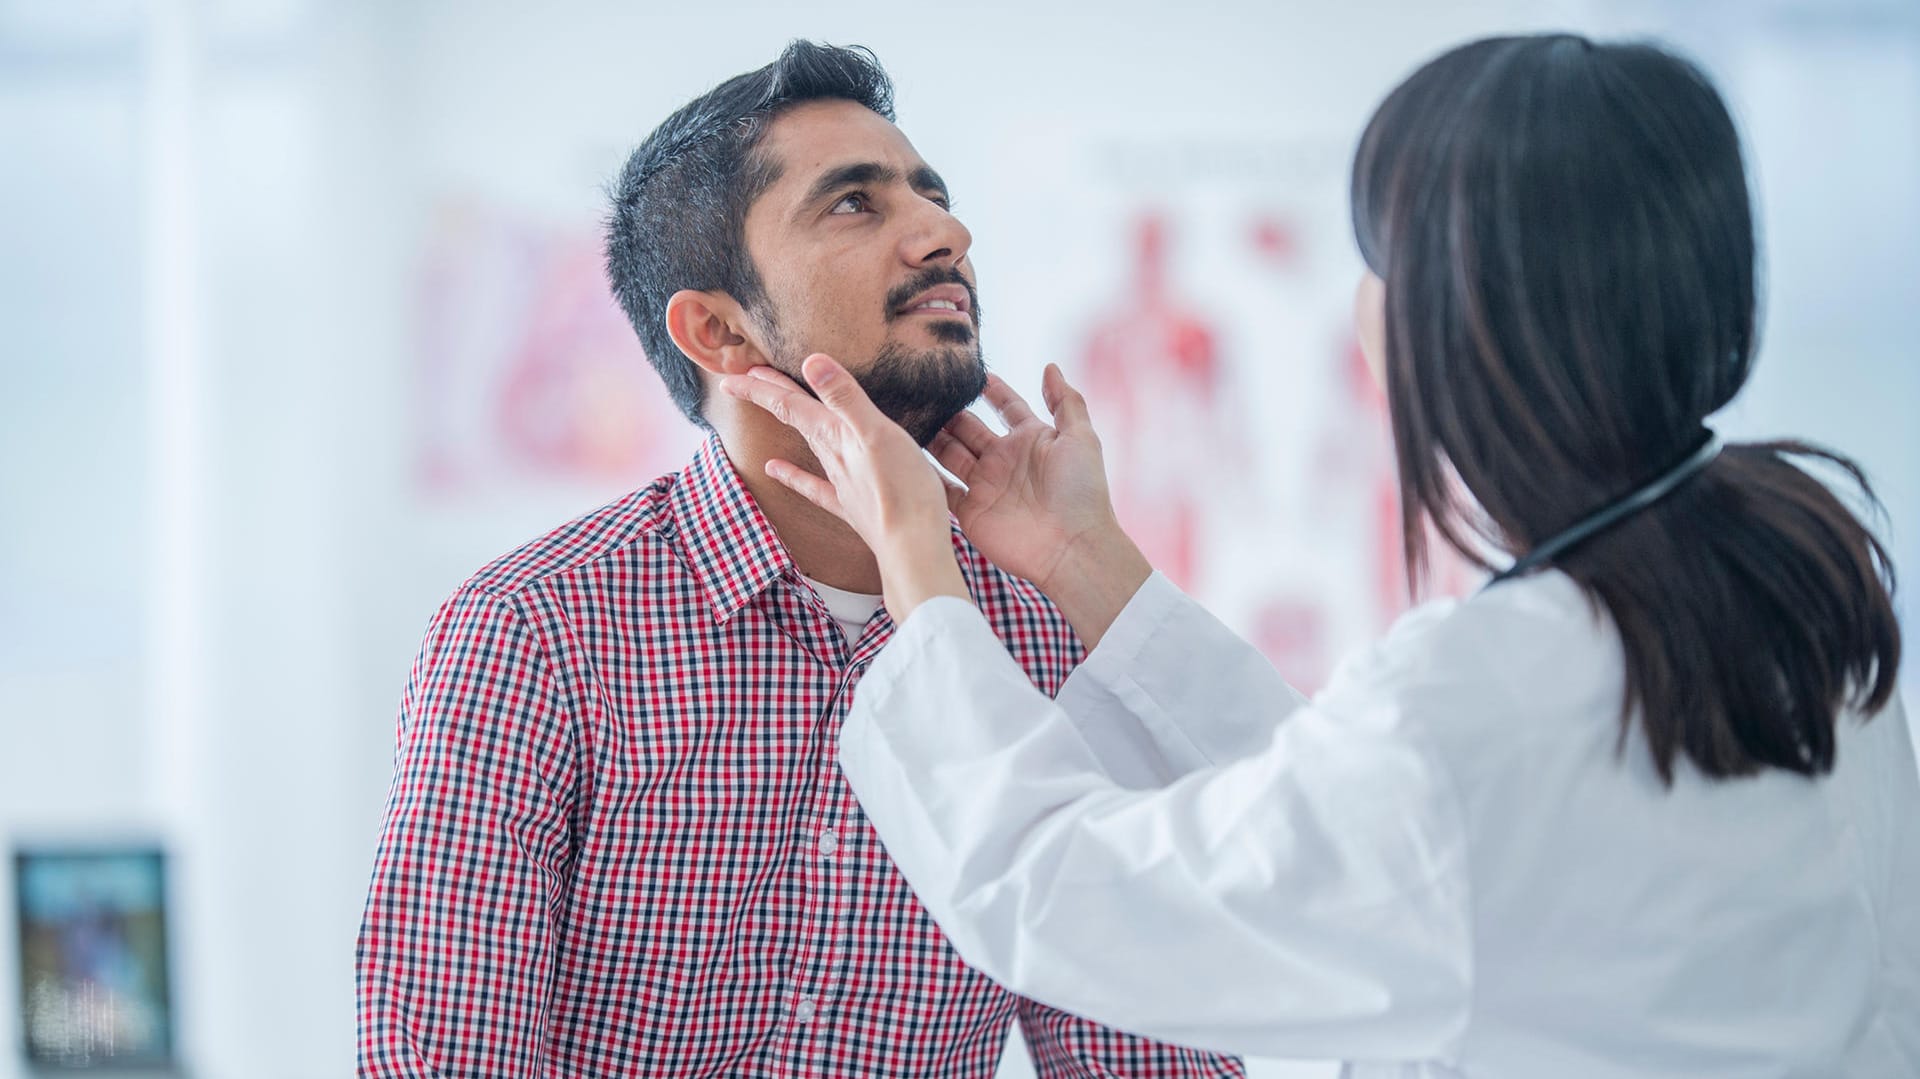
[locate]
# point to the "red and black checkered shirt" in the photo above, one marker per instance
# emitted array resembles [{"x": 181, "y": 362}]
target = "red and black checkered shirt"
[{"x": 618, "y": 842}]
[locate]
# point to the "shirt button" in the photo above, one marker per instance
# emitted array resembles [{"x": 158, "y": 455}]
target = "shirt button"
[
  {"x": 803, "y": 1010},
  {"x": 829, "y": 842}
]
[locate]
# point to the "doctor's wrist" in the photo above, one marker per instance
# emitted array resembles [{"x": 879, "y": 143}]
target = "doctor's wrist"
[
  {"x": 912, "y": 573},
  {"x": 1096, "y": 577}
]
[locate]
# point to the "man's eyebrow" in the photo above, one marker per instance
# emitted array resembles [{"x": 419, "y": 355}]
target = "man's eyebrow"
[
  {"x": 866, "y": 172},
  {"x": 923, "y": 180}
]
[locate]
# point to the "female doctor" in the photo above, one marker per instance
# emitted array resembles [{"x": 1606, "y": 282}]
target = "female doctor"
[{"x": 1645, "y": 806}]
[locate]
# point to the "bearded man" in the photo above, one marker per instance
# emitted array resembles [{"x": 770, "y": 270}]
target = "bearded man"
[{"x": 618, "y": 842}]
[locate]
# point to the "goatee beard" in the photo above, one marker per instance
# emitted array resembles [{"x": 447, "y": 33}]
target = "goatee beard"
[{"x": 921, "y": 389}]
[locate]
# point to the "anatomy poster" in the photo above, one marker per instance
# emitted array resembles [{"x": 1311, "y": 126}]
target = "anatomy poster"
[
  {"x": 1200, "y": 290},
  {"x": 529, "y": 374}
]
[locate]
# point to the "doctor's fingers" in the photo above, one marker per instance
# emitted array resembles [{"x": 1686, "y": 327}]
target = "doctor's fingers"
[
  {"x": 1068, "y": 405},
  {"x": 953, "y": 456},
  {"x": 786, "y": 402},
  {"x": 818, "y": 491},
  {"x": 1012, "y": 407},
  {"x": 842, "y": 393},
  {"x": 972, "y": 433}
]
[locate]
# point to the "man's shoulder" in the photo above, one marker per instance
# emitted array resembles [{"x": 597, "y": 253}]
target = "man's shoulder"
[{"x": 633, "y": 529}]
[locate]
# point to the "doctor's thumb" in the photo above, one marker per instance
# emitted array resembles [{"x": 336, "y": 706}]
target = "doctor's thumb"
[
  {"x": 835, "y": 387},
  {"x": 1068, "y": 405}
]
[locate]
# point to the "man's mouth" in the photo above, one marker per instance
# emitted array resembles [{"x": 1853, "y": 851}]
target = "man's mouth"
[{"x": 939, "y": 300}]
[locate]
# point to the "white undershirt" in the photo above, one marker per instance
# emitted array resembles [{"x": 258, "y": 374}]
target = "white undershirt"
[{"x": 850, "y": 609}]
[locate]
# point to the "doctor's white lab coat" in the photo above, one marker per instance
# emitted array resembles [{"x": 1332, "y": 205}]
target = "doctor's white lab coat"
[{"x": 1446, "y": 864}]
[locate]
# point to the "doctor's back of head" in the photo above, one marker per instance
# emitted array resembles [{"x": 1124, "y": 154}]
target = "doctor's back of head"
[{"x": 1561, "y": 292}]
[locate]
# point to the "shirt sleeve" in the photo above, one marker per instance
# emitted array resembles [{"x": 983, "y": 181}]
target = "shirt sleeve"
[
  {"x": 1065, "y": 1046},
  {"x": 456, "y": 948},
  {"x": 1170, "y": 689},
  {"x": 1308, "y": 900}
]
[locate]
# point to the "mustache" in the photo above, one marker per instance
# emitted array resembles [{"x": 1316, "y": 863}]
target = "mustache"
[{"x": 929, "y": 278}]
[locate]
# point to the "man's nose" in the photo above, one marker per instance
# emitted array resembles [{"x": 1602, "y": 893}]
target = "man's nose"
[{"x": 937, "y": 237}]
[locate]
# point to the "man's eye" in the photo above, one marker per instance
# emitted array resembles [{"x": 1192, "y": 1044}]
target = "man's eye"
[{"x": 852, "y": 204}]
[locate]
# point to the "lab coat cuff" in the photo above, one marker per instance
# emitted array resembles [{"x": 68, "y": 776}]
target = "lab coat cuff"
[
  {"x": 912, "y": 638},
  {"x": 1139, "y": 744},
  {"x": 1112, "y": 661}
]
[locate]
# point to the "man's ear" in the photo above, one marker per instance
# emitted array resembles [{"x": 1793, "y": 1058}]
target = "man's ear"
[{"x": 708, "y": 327}]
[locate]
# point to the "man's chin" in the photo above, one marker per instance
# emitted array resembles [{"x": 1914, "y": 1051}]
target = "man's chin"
[
  {"x": 923, "y": 421},
  {"x": 921, "y": 389},
  {"x": 924, "y": 426}
]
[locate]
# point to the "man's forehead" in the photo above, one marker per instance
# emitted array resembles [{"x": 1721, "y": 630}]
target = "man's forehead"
[{"x": 814, "y": 136}]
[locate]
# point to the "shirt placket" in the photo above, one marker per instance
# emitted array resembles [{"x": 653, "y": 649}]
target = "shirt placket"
[{"x": 820, "y": 947}]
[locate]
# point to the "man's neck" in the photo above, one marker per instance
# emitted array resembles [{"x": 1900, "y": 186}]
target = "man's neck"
[{"x": 822, "y": 545}]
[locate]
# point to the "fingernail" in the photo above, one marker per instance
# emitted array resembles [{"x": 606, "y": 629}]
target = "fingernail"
[{"x": 822, "y": 373}]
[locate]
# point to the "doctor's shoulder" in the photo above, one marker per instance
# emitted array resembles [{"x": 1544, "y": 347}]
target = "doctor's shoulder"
[{"x": 1534, "y": 656}]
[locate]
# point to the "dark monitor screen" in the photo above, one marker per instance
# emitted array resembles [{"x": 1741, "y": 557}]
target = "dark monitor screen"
[{"x": 93, "y": 957}]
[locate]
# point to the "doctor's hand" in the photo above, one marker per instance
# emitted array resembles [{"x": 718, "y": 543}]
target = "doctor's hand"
[
  {"x": 1037, "y": 503},
  {"x": 875, "y": 477}
]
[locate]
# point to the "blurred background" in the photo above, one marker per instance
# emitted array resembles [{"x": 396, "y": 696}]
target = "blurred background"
[{"x": 302, "y": 321}]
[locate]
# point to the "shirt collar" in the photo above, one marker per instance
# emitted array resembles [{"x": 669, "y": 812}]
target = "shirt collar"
[
  {"x": 734, "y": 551},
  {"x": 729, "y": 545}
]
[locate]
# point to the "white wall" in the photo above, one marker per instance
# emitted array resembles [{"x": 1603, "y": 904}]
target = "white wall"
[{"x": 214, "y": 565}]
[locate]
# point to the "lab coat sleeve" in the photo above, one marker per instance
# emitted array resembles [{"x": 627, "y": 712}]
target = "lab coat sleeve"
[
  {"x": 1307, "y": 900},
  {"x": 1169, "y": 689}
]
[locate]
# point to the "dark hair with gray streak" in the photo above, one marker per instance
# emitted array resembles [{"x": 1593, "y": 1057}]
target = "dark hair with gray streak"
[
  {"x": 680, "y": 204},
  {"x": 1565, "y": 235}
]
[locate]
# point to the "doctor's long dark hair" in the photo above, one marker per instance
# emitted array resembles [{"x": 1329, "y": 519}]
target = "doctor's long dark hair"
[{"x": 1565, "y": 235}]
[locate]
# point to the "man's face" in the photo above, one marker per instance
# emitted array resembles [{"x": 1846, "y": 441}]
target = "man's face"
[{"x": 861, "y": 260}]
